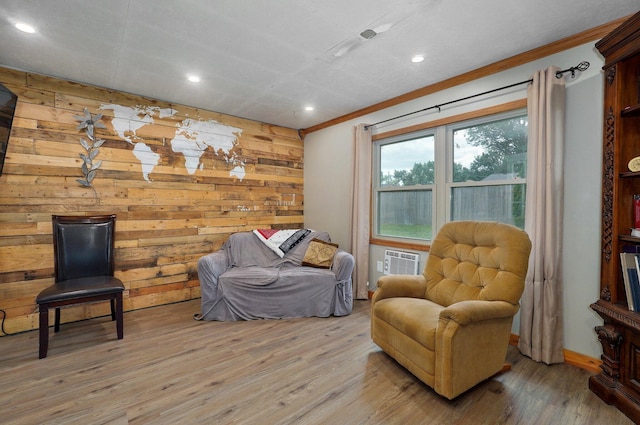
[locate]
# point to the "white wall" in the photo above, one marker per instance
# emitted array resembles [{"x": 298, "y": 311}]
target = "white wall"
[
  {"x": 329, "y": 158},
  {"x": 582, "y": 212}
]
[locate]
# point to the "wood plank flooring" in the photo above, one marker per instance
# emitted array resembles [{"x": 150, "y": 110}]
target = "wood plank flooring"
[{"x": 171, "y": 369}]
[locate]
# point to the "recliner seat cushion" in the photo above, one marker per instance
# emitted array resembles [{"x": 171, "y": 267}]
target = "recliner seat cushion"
[{"x": 414, "y": 317}]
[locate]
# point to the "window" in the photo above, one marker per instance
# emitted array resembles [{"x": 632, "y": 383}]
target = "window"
[
  {"x": 405, "y": 180},
  {"x": 473, "y": 170}
]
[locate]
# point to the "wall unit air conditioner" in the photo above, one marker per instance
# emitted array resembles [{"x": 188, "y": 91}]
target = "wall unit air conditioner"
[{"x": 398, "y": 262}]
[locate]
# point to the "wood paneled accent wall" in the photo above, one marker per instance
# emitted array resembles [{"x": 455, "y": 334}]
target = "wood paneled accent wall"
[{"x": 163, "y": 225}]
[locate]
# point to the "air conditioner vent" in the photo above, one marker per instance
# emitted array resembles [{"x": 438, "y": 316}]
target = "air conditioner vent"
[{"x": 398, "y": 262}]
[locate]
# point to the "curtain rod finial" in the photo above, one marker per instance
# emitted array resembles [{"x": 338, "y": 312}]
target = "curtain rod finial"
[{"x": 582, "y": 66}]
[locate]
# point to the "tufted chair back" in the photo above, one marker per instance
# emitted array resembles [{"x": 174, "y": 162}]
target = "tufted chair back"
[{"x": 471, "y": 260}]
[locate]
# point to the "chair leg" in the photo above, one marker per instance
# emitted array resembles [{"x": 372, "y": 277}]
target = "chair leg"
[
  {"x": 505, "y": 368},
  {"x": 56, "y": 325},
  {"x": 44, "y": 330},
  {"x": 119, "y": 315},
  {"x": 112, "y": 301}
]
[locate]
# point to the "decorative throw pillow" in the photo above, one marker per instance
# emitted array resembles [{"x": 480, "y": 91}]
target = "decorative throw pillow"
[{"x": 319, "y": 254}]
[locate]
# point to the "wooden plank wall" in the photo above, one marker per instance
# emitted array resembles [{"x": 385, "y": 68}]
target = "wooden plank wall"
[{"x": 163, "y": 226}]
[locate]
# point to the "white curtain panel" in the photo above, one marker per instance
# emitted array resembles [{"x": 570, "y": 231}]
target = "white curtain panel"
[
  {"x": 360, "y": 209},
  {"x": 541, "y": 325}
]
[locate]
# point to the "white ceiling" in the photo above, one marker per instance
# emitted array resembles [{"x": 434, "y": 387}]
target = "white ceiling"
[{"x": 267, "y": 60}]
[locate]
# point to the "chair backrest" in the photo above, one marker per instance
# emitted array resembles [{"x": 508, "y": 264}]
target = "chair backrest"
[
  {"x": 83, "y": 246},
  {"x": 474, "y": 260}
]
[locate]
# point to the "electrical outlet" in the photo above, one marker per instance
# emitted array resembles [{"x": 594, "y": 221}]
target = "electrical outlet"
[{"x": 379, "y": 266}]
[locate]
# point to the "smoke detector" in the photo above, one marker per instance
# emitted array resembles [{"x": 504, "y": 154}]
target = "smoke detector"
[{"x": 368, "y": 34}]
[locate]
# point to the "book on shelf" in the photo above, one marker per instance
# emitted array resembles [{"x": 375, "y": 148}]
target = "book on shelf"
[
  {"x": 631, "y": 248},
  {"x": 635, "y": 231},
  {"x": 630, "y": 264},
  {"x": 635, "y": 285}
]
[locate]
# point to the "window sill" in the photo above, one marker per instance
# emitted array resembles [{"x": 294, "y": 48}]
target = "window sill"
[{"x": 401, "y": 245}]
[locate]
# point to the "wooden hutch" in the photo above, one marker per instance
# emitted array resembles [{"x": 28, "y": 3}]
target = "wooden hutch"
[{"x": 618, "y": 383}]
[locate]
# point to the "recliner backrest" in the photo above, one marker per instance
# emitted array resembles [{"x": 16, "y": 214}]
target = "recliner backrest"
[{"x": 471, "y": 260}]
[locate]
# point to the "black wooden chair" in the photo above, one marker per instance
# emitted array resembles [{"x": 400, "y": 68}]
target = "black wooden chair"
[{"x": 83, "y": 250}]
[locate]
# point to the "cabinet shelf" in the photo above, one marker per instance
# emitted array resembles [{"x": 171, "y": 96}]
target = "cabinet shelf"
[
  {"x": 629, "y": 238},
  {"x": 631, "y": 111},
  {"x": 619, "y": 313}
]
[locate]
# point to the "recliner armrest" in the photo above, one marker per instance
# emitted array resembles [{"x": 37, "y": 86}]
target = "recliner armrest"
[
  {"x": 466, "y": 312},
  {"x": 413, "y": 286}
]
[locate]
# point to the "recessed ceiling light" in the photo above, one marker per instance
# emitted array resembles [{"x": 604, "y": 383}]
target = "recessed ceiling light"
[
  {"x": 309, "y": 108},
  {"x": 417, "y": 59},
  {"x": 193, "y": 78},
  {"x": 25, "y": 27}
]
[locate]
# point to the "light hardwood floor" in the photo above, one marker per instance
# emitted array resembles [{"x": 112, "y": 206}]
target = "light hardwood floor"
[{"x": 170, "y": 369}]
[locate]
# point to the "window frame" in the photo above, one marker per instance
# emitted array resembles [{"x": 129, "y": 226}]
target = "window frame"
[
  {"x": 377, "y": 188},
  {"x": 443, "y": 186}
]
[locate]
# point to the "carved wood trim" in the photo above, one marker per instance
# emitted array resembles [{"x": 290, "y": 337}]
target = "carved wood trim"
[
  {"x": 611, "y": 75},
  {"x": 605, "y": 294},
  {"x": 630, "y": 319},
  {"x": 607, "y": 185},
  {"x": 611, "y": 339}
]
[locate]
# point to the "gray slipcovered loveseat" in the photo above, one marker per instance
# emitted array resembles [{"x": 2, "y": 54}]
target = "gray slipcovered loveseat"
[{"x": 246, "y": 280}]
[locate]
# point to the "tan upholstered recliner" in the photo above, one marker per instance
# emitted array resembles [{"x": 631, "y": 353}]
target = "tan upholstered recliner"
[{"x": 450, "y": 326}]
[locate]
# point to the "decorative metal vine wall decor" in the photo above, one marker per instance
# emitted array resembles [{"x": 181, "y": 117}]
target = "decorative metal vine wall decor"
[{"x": 89, "y": 123}]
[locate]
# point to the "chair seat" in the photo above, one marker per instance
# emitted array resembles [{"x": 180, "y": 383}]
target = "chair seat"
[
  {"x": 415, "y": 317},
  {"x": 80, "y": 288}
]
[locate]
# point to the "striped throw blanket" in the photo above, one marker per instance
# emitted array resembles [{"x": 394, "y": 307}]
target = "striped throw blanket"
[{"x": 281, "y": 241}]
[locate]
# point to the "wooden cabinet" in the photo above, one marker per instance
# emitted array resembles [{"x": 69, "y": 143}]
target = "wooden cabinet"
[{"x": 619, "y": 381}]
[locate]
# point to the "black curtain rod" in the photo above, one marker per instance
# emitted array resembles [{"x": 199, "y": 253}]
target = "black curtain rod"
[{"x": 582, "y": 66}]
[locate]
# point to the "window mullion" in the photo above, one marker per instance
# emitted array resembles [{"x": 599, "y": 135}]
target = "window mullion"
[{"x": 441, "y": 196}]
